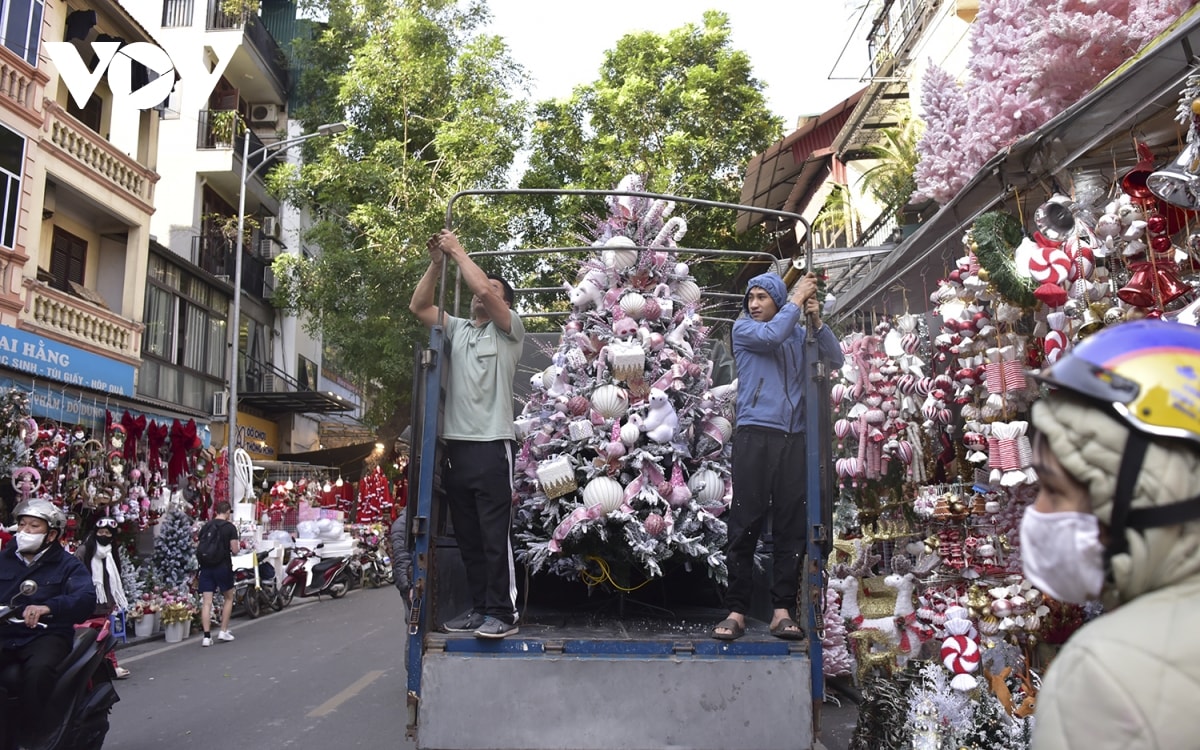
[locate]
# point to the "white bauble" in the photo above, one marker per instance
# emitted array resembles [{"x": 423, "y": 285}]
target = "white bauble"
[
  {"x": 630, "y": 434},
  {"x": 633, "y": 304},
  {"x": 612, "y": 402},
  {"x": 686, "y": 292},
  {"x": 707, "y": 487},
  {"x": 618, "y": 254},
  {"x": 605, "y": 492},
  {"x": 723, "y": 425}
]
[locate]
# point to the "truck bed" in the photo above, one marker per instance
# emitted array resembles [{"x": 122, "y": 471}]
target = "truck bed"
[{"x": 616, "y": 679}]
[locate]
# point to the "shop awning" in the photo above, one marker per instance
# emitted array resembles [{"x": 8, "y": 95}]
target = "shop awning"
[
  {"x": 1097, "y": 133},
  {"x": 349, "y": 460}
]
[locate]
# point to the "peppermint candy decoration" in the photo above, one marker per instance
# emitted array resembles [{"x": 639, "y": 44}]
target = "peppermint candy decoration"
[
  {"x": 1054, "y": 345},
  {"x": 960, "y": 654},
  {"x": 1052, "y": 265}
]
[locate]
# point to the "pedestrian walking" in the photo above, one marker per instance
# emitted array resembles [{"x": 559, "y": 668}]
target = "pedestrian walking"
[
  {"x": 768, "y": 446},
  {"x": 100, "y": 555},
  {"x": 1117, "y": 518},
  {"x": 478, "y": 432},
  {"x": 217, "y": 544}
]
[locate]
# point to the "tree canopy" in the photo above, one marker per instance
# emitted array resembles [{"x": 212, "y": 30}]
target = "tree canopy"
[
  {"x": 683, "y": 110},
  {"x": 433, "y": 107}
]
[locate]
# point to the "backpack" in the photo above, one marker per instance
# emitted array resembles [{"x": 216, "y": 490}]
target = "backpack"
[{"x": 209, "y": 552}]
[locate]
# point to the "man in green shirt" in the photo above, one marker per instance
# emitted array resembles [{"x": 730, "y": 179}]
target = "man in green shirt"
[{"x": 478, "y": 432}]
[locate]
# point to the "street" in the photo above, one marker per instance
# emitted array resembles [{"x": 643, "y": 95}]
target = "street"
[{"x": 319, "y": 674}]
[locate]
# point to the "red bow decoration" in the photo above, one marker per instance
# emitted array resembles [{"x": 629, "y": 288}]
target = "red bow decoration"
[
  {"x": 183, "y": 441},
  {"x": 134, "y": 427},
  {"x": 156, "y": 436}
]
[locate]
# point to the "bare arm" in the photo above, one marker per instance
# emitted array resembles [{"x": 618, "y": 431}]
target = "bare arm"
[
  {"x": 422, "y": 304},
  {"x": 477, "y": 281}
]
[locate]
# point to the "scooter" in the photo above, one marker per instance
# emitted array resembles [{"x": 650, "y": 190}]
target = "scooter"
[
  {"x": 77, "y": 717},
  {"x": 376, "y": 565},
  {"x": 254, "y": 587},
  {"x": 303, "y": 577}
]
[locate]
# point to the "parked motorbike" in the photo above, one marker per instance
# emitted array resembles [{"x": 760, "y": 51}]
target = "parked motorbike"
[
  {"x": 376, "y": 565},
  {"x": 309, "y": 575},
  {"x": 77, "y": 713},
  {"x": 254, "y": 586}
]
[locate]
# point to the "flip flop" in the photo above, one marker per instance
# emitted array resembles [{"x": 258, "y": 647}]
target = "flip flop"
[
  {"x": 735, "y": 628},
  {"x": 788, "y": 630}
]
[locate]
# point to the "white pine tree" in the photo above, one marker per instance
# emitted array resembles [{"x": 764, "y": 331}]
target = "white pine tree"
[
  {"x": 174, "y": 553},
  {"x": 624, "y": 458}
]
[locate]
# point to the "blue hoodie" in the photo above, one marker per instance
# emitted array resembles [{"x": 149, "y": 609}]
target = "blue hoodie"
[{"x": 770, "y": 361}]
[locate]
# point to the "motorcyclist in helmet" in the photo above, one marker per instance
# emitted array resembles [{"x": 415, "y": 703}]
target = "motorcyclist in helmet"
[
  {"x": 1117, "y": 518},
  {"x": 32, "y": 650}
]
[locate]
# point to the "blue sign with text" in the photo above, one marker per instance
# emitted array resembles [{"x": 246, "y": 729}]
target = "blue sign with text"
[{"x": 47, "y": 358}]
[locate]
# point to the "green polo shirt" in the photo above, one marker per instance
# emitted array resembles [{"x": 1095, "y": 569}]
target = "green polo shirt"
[{"x": 479, "y": 392}]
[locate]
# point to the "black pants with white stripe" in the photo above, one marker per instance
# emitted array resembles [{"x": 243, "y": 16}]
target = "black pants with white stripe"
[{"x": 478, "y": 485}]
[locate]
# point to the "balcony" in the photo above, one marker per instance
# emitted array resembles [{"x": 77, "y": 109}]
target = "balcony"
[
  {"x": 265, "y": 387},
  {"x": 215, "y": 256},
  {"x": 260, "y": 40},
  {"x": 79, "y": 321},
  {"x": 177, "y": 13},
  {"x": 20, "y": 85},
  {"x": 99, "y": 158},
  {"x": 894, "y": 34},
  {"x": 215, "y": 131}
]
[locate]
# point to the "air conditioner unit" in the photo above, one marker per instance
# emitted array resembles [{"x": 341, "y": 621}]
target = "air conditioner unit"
[
  {"x": 220, "y": 405},
  {"x": 270, "y": 249},
  {"x": 264, "y": 113},
  {"x": 270, "y": 227},
  {"x": 268, "y": 382}
]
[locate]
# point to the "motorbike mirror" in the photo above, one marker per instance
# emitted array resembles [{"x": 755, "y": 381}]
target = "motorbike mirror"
[
  {"x": 29, "y": 587},
  {"x": 322, "y": 544}
]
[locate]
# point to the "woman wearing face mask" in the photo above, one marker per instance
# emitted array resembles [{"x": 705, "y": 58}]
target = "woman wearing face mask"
[
  {"x": 1117, "y": 518},
  {"x": 99, "y": 554}
]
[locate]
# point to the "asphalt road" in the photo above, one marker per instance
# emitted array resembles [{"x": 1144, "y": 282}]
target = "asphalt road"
[
  {"x": 325, "y": 675},
  {"x": 320, "y": 675}
]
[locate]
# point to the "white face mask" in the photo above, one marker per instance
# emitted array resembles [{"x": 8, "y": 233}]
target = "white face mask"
[
  {"x": 27, "y": 542},
  {"x": 1062, "y": 555}
]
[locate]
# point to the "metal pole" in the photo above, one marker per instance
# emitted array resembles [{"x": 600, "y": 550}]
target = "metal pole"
[
  {"x": 235, "y": 323},
  {"x": 235, "y": 316}
]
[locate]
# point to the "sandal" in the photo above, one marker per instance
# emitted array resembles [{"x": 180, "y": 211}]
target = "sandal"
[
  {"x": 734, "y": 630},
  {"x": 788, "y": 630}
]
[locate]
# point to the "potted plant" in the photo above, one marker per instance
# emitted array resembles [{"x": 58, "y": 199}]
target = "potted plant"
[
  {"x": 223, "y": 125},
  {"x": 144, "y": 613},
  {"x": 177, "y": 610}
]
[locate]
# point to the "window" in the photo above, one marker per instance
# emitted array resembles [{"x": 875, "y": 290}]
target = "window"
[
  {"x": 306, "y": 373},
  {"x": 21, "y": 26},
  {"x": 68, "y": 255},
  {"x": 184, "y": 344},
  {"x": 12, "y": 155}
]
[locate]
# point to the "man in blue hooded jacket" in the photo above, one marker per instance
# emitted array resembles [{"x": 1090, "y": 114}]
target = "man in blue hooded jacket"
[{"x": 768, "y": 445}]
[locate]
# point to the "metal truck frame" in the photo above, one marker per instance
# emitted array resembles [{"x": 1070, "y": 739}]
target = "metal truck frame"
[{"x": 564, "y": 688}]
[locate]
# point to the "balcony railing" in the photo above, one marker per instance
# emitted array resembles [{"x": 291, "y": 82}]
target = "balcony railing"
[
  {"x": 98, "y": 156},
  {"x": 18, "y": 82},
  {"x": 215, "y": 255},
  {"x": 262, "y": 41},
  {"x": 177, "y": 13},
  {"x": 75, "y": 318},
  {"x": 897, "y": 26},
  {"x": 214, "y": 132}
]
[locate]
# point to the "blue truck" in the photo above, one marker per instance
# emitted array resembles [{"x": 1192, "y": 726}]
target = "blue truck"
[{"x": 588, "y": 673}]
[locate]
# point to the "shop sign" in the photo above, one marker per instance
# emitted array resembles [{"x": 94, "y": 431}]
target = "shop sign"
[
  {"x": 47, "y": 358},
  {"x": 257, "y": 436}
]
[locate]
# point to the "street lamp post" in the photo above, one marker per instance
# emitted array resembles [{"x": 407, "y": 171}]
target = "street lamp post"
[{"x": 235, "y": 316}]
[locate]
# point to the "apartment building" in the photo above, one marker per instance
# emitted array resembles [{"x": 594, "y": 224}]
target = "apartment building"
[
  {"x": 79, "y": 177},
  {"x": 234, "y": 103}
]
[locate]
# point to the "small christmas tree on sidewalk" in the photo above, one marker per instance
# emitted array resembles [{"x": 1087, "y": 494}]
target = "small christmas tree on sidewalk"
[
  {"x": 624, "y": 459},
  {"x": 174, "y": 552}
]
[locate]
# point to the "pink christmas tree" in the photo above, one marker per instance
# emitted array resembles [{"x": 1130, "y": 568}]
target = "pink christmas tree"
[
  {"x": 836, "y": 655},
  {"x": 939, "y": 173},
  {"x": 998, "y": 106}
]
